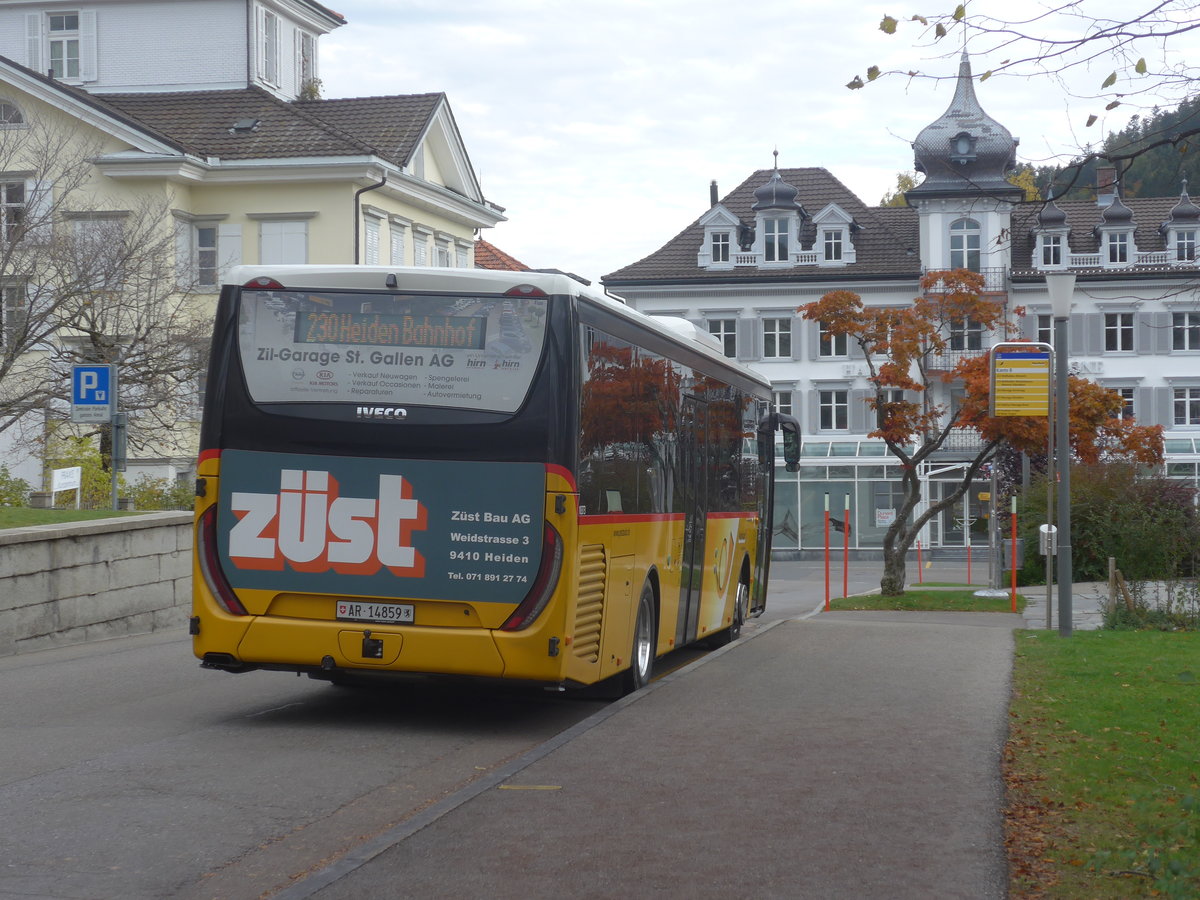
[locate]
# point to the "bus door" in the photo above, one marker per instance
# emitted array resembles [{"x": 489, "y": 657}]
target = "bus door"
[{"x": 693, "y": 467}]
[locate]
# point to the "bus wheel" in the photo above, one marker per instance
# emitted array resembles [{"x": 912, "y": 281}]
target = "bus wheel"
[
  {"x": 641, "y": 657},
  {"x": 741, "y": 603}
]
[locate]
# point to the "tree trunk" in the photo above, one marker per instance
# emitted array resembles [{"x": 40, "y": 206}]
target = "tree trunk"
[{"x": 894, "y": 576}]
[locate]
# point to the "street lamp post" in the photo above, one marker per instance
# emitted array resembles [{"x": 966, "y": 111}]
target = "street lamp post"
[{"x": 1061, "y": 286}]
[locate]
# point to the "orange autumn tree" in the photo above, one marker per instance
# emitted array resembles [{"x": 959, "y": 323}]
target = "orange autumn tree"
[{"x": 906, "y": 351}]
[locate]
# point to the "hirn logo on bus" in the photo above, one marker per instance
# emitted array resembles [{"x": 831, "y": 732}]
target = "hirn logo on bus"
[
  {"x": 310, "y": 528},
  {"x": 381, "y": 412}
]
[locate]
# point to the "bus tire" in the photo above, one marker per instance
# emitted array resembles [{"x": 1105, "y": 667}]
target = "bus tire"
[
  {"x": 741, "y": 603},
  {"x": 641, "y": 655}
]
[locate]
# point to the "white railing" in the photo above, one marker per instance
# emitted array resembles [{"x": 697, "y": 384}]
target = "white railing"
[{"x": 1167, "y": 258}]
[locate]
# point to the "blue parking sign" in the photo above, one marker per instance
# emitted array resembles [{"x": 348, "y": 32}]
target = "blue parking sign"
[{"x": 93, "y": 393}]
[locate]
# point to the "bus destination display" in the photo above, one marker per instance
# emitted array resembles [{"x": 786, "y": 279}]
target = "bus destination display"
[{"x": 323, "y": 326}]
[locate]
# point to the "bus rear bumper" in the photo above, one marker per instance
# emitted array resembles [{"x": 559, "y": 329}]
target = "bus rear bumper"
[{"x": 300, "y": 645}]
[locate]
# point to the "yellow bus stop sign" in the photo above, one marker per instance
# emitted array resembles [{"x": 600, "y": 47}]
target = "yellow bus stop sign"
[{"x": 1021, "y": 379}]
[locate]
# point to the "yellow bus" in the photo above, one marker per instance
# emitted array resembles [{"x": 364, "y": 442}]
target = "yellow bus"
[{"x": 475, "y": 473}]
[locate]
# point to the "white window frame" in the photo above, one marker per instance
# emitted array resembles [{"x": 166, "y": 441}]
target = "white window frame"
[
  {"x": 64, "y": 38},
  {"x": 782, "y": 402},
  {"x": 776, "y": 236},
  {"x": 833, "y": 406},
  {"x": 1045, "y": 328},
  {"x": 268, "y": 46},
  {"x": 831, "y": 346},
  {"x": 14, "y": 204},
  {"x": 966, "y": 334},
  {"x": 14, "y": 305},
  {"x": 777, "y": 337},
  {"x": 11, "y": 115},
  {"x": 306, "y": 60},
  {"x": 1185, "y": 406},
  {"x": 719, "y": 246},
  {"x": 1117, "y": 246},
  {"x": 1119, "y": 329},
  {"x": 1052, "y": 250},
  {"x": 832, "y": 244},
  {"x": 725, "y": 330},
  {"x": 965, "y": 245},
  {"x": 1185, "y": 331},
  {"x": 1185, "y": 244}
]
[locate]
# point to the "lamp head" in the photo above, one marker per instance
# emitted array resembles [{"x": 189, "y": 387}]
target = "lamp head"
[{"x": 1061, "y": 288}]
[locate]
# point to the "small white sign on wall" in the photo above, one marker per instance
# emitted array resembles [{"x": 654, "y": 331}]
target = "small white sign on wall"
[
  {"x": 66, "y": 480},
  {"x": 884, "y": 518}
]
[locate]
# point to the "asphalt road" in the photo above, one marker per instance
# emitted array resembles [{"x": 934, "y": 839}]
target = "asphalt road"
[{"x": 130, "y": 772}]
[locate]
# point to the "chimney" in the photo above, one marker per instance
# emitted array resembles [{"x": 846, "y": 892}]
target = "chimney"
[
  {"x": 712, "y": 193},
  {"x": 1106, "y": 184}
]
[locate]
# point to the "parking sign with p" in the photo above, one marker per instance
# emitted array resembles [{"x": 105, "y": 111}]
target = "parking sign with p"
[{"x": 92, "y": 393}]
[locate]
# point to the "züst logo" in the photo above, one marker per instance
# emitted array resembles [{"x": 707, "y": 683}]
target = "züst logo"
[{"x": 309, "y": 527}]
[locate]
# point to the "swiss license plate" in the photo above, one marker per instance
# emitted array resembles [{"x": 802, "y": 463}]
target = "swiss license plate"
[{"x": 383, "y": 613}]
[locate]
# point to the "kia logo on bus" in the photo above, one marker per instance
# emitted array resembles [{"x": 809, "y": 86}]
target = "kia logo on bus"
[{"x": 381, "y": 412}]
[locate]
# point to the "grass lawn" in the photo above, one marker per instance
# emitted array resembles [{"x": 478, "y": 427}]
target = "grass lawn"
[
  {"x": 1103, "y": 766},
  {"x": 22, "y": 517},
  {"x": 962, "y": 599}
]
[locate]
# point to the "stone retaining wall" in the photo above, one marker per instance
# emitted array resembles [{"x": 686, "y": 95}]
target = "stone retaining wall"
[{"x": 84, "y": 581}]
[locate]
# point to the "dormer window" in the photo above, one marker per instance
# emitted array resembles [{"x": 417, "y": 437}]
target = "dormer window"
[
  {"x": 720, "y": 231},
  {"x": 1118, "y": 247},
  {"x": 62, "y": 44},
  {"x": 832, "y": 242},
  {"x": 775, "y": 240},
  {"x": 1052, "y": 249},
  {"x": 832, "y": 246},
  {"x": 719, "y": 247},
  {"x": 1185, "y": 246}
]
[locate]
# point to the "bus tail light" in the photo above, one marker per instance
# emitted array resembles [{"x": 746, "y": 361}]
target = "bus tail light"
[
  {"x": 262, "y": 283},
  {"x": 210, "y": 565},
  {"x": 525, "y": 290},
  {"x": 543, "y": 586}
]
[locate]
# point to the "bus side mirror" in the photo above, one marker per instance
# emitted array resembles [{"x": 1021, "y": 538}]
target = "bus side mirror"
[{"x": 791, "y": 442}]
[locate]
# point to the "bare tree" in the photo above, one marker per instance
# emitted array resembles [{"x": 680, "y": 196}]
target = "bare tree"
[
  {"x": 1103, "y": 60},
  {"x": 90, "y": 279}
]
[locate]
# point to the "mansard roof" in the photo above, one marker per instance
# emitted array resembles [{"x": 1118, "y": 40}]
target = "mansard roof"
[
  {"x": 1082, "y": 219},
  {"x": 886, "y": 241}
]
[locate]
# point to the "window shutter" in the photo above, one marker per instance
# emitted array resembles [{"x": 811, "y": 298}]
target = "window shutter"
[
  {"x": 859, "y": 412},
  {"x": 814, "y": 411},
  {"x": 1029, "y": 327},
  {"x": 33, "y": 42},
  {"x": 1162, "y": 332},
  {"x": 87, "y": 45},
  {"x": 1080, "y": 333},
  {"x": 1163, "y": 408},
  {"x": 229, "y": 249},
  {"x": 1143, "y": 406},
  {"x": 749, "y": 340},
  {"x": 797, "y": 333},
  {"x": 183, "y": 253},
  {"x": 814, "y": 340},
  {"x": 260, "y": 43},
  {"x": 854, "y": 350},
  {"x": 1144, "y": 337},
  {"x": 39, "y": 210}
]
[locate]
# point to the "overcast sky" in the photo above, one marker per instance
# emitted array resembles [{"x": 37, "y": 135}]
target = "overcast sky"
[{"x": 598, "y": 124}]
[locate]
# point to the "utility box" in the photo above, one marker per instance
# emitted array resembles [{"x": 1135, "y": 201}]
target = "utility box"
[
  {"x": 1008, "y": 553},
  {"x": 1048, "y": 540}
]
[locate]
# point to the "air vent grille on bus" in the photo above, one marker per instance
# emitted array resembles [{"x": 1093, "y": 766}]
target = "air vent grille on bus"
[{"x": 589, "y": 611}]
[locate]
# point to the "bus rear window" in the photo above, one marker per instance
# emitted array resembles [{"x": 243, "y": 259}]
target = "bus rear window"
[{"x": 394, "y": 349}]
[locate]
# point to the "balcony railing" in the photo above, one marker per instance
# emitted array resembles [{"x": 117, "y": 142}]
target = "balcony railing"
[
  {"x": 1161, "y": 258},
  {"x": 995, "y": 281}
]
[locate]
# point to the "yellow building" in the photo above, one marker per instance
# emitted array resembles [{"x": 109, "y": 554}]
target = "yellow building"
[{"x": 248, "y": 166}]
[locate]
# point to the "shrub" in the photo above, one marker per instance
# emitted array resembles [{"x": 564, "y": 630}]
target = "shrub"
[
  {"x": 14, "y": 491},
  {"x": 1148, "y": 523},
  {"x": 148, "y": 492},
  {"x": 96, "y": 481}
]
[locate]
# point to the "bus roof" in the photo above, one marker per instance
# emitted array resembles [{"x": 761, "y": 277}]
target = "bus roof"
[{"x": 485, "y": 281}]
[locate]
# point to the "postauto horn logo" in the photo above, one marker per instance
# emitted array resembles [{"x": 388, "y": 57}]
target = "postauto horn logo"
[{"x": 310, "y": 528}]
